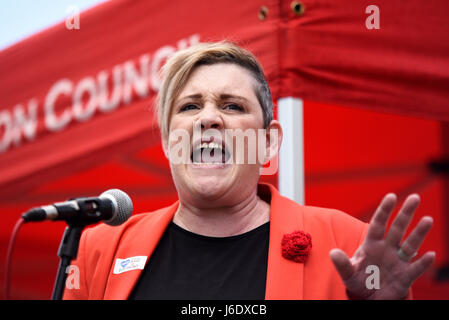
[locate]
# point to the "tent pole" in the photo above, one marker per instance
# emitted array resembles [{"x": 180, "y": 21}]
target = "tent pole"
[
  {"x": 443, "y": 272},
  {"x": 291, "y": 155}
]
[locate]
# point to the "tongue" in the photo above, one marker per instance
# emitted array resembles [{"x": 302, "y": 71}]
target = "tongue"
[
  {"x": 211, "y": 156},
  {"x": 208, "y": 155}
]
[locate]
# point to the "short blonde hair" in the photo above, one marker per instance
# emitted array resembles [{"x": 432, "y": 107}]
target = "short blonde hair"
[{"x": 180, "y": 66}]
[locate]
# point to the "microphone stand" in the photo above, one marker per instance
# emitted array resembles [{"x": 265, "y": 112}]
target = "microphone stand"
[
  {"x": 68, "y": 250},
  {"x": 78, "y": 213}
]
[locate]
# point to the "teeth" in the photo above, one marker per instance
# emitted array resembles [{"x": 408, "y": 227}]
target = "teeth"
[
  {"x": 210, "y": 145},
  {"x": 206, "y": 157}
]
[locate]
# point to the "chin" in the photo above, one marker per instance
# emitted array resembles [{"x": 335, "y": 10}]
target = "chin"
[
  {"x": 211, "y": 188},
  {"x": 207, "y": 192}
]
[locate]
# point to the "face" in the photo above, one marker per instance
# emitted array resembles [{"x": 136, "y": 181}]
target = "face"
[{"x": 217, "y": 100}]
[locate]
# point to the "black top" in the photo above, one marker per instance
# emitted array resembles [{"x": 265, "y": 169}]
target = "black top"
[{"x": 186, "y": 265}]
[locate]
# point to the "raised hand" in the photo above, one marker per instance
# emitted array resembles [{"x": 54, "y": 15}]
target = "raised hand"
[{"x": 393, "y": 259}]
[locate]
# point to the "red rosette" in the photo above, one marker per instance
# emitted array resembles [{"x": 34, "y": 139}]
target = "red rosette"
[{"x": 296, "y": 246}]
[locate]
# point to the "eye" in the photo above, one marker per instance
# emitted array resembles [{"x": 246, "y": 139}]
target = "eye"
[
  {"x": 188, "y": 107},
  {"x": 234, "y": 106}
]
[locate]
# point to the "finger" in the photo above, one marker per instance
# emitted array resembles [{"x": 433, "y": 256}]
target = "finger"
[
  {"x": 417, "y": 236},
  {"x": 402, "y": 220},
  {"x": 418, "y": 267},
  {"x": 342, "y": 264},
  {"x": 378, "y": 223}
]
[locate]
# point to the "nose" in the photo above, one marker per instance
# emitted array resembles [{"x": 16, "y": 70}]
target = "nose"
[{"x": 210, "y": 118}]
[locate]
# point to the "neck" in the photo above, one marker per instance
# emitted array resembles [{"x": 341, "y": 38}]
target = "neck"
[{"x": 242, "y": 217}]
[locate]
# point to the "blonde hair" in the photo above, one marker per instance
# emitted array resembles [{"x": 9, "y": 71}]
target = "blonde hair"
[{"x": 180, "y": 66}]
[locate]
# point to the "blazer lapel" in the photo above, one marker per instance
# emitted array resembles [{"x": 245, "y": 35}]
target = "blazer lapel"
[
  {"x": 140, "y": 241},
  {"x": 284, "y": 277}
]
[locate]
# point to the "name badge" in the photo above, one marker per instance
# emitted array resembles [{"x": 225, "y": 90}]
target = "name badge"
[{"x": 128, "y": 264}]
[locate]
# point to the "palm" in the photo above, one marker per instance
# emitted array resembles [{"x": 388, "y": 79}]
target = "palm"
[{"x": 395, "y": 273}]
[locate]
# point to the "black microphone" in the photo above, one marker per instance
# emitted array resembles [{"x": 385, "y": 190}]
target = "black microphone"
[{"x": 114, "y": 206}]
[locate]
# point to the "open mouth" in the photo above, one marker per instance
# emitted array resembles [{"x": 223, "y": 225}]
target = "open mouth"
[{"x": 210, "y": 153}]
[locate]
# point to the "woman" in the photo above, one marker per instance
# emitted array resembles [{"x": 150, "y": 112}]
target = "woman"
[{"x": 229, "y": 237}]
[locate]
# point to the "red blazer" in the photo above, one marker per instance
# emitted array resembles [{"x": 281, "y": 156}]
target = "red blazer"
[{"x": 315, "y": 279}]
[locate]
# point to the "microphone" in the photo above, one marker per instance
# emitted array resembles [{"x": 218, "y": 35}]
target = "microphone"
[{"x": 113, "y": 206}]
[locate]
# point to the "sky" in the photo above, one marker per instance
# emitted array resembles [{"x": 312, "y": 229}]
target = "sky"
[{"x": 20, "y": 19}]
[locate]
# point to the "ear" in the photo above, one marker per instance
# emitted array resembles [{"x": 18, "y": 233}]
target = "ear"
[
  {"x": 164, "y": 141},
  {"x": 273, "y": 140}
]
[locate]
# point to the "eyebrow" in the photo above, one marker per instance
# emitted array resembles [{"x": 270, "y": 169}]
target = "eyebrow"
[
  {"x": 192, "y": 96},
  {"x": 223, "y": 96}
]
